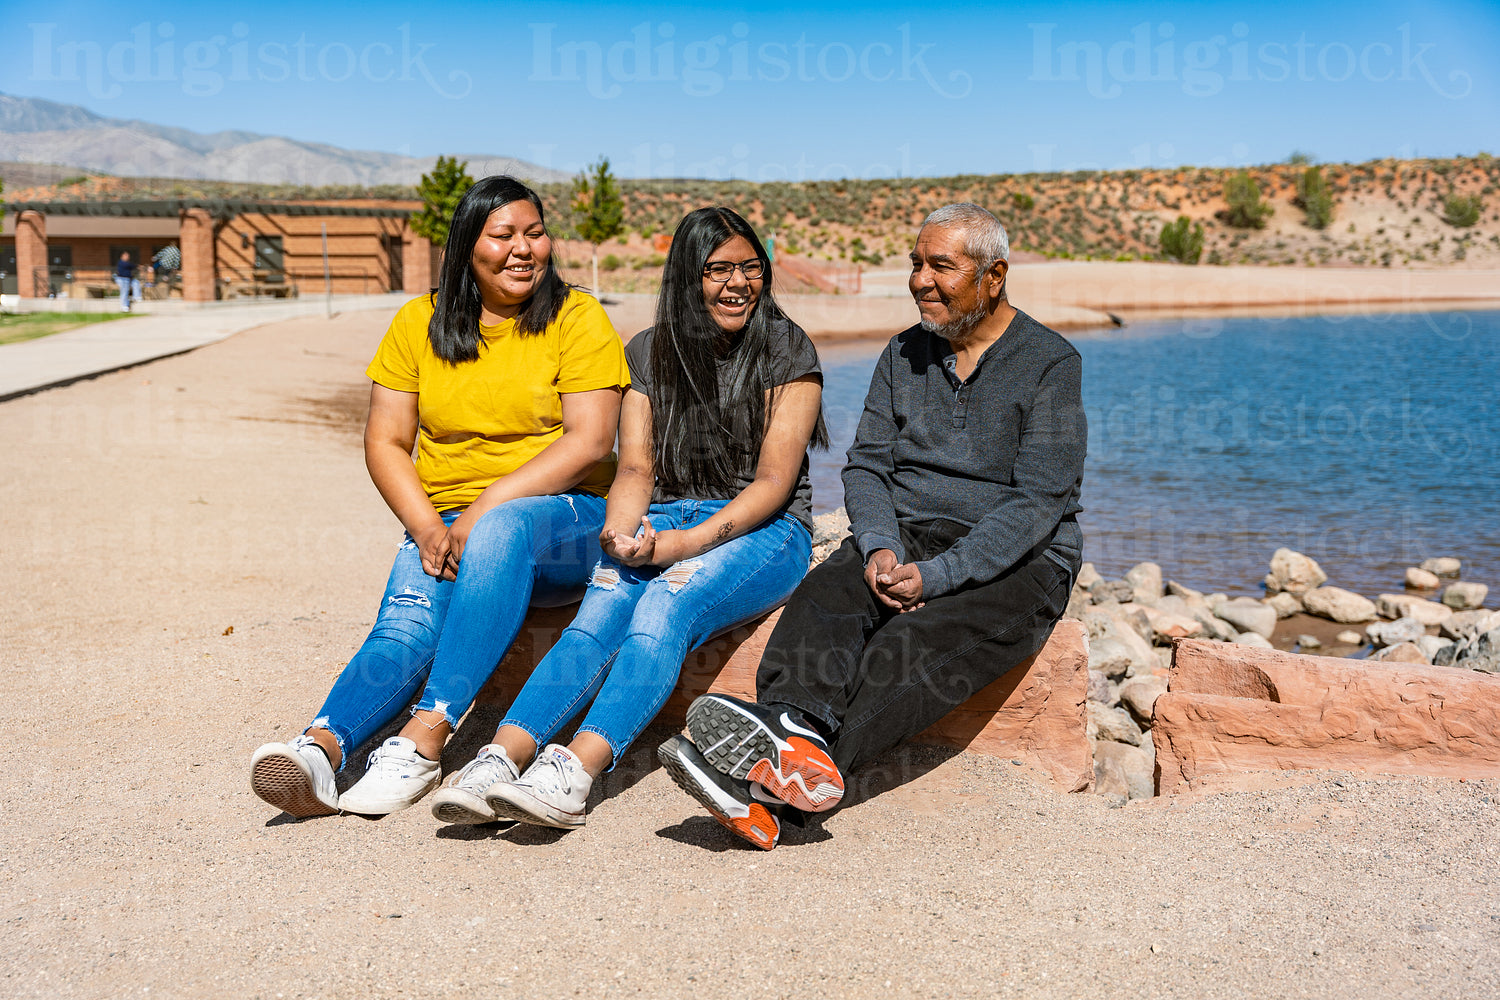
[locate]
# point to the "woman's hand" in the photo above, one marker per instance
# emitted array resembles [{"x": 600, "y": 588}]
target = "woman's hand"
[
  {"x": 618, "y": 545},
  {"x": 434, "y": 544},
  {"x": 458, "y": 538},
  {"x": 640, "y": 550}
]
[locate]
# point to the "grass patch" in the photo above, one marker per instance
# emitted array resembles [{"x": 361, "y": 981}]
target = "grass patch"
[{"x": 16, "y": 327}]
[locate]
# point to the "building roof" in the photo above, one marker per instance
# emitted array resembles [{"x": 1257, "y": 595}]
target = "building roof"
[{"x": 223, "y": 208}]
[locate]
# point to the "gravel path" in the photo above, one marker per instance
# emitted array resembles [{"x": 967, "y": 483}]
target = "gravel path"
[{"x": 148, "y": 511}]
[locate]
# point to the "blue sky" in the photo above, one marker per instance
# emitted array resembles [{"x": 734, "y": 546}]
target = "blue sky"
[{"x": 782, "y": 91}]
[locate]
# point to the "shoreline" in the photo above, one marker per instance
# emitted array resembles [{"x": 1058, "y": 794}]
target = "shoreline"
[{"x": 1085, "y": 295}]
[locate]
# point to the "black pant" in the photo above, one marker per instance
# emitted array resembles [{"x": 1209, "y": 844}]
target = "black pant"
[{"x": 874, "y": 676}]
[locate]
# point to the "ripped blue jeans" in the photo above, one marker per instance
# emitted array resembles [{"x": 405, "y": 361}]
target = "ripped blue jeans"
[
  {"x": 635, "y": 627},
  {"x": 531, "y": 552}
]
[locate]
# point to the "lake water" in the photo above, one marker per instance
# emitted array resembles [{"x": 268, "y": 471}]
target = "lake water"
[{"x": 1367, "y": 442}]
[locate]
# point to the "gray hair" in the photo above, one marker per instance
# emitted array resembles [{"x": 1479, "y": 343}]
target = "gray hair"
[{"x": 984, "y": 237}]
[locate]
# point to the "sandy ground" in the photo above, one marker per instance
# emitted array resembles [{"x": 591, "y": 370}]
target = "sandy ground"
[{"x": 148, "y": 511}]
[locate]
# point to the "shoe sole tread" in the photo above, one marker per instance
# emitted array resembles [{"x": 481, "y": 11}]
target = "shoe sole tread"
[
  {"x": 506, "y": 809},
  {"x": 742, "y": 747},
  {"x": 745, "y": 828},
  {"x": 278, "y": 780},
  {"x": 457, "y": 806}
]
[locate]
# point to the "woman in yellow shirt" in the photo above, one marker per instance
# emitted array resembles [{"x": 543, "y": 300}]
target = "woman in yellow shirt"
[{"x": 507, "y": 384}]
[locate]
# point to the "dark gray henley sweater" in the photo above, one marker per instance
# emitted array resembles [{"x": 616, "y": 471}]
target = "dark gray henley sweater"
[{"x": 1001, "y": 452}]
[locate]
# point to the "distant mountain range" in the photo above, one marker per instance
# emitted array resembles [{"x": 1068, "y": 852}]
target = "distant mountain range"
[{"x": 37, "y": 131}]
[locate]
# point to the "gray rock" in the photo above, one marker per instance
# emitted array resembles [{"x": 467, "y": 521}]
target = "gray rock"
[
  {"x": 1109, "y": 656},
  {"x": 1087, "y": 576},
  {"x": 1135, "y": 616},
  {"x": 1308, "y": 642},
  {"x": 1337, "y": 604},
  {"x": 1101, "y": 690},
  {"x": 1139, "y": 694},
  {"x": 1421, "y": 579},
  {"x": 1247, "y": 614},
  {"x": 1186, "y": 593},
  {"x": 1430, "y": 645},
  {"x": 1174, "y": 605},
  {"x": 1136, "y": 651},
  {"x": 1401, "y": 652},
  {"x": 1412, "y": 606},
  {"x": 1294, "y": 573},
  {"x": 1113, "y": 724},
  {"x": 1392, "y": 633},
  {"x": 1145, "y": 578},
  {"x": 1284, "y": 604},
  {"x": 1466, "y": 624},
  {"x": 1112, "y": 590},
  {"x": 1442, "y": 566},
  {"x": 829, "y": 531},
  {"x": 1254, "y": 639},
  {"x": 1450, "y": 654},
  {"x": 1488, "y": 663},
  {"x": 1215, "y": 627},
  {"x": 1124, "y": 771},
  {"x": 1489, "y": 642},
  {"x": 1465, "y": 596},
  {"x": 1350, "y": 638},
  {"x": 1167, "y": 626}
]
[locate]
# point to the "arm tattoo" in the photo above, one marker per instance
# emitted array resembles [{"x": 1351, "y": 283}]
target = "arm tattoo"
[{"x": 725, "y": 530}]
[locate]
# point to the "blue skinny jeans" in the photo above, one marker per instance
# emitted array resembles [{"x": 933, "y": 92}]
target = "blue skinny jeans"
[
  {"x": 531, "y": 552},
  {"x": 635, "y": 627}
]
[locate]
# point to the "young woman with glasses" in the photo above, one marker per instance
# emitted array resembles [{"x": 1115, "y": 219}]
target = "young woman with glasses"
[{"x": 708, "y": 525}]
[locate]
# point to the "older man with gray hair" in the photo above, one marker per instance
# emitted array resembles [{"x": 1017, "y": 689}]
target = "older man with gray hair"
[{"x": 962, "y": 490}]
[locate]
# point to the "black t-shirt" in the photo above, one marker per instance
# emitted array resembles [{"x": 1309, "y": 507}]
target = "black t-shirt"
[{"x": 793, "y": 356}]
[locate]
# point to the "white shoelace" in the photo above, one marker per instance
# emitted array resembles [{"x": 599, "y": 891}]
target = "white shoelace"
[
  {"x": 389, "y": 761},
  {"x": 559, "y": 776},
  {"x": 484, "y": 770}
]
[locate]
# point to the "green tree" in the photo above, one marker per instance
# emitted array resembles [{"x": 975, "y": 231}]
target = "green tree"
[
  {"x": 598, "y": 209},
  {"x": 1460, "y": 211},
  {"x": 1180, "y": 243},
  {"x": 1246, "y": 210},
  {"x": 1314, "y": 198},
  {"x": 441, "y": 191}
]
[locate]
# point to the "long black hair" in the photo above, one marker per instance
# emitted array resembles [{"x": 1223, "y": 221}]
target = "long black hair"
[
  {"x": 457, "y": 306},
  {"x": 698, "y": 441}
]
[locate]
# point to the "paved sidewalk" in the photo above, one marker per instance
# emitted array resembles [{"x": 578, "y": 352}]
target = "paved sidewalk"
[{"x": 169, "y": 328}]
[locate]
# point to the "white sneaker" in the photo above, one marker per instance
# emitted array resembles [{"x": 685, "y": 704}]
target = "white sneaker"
[
  {"x": 461, "y": 799},
  {"x": 395, "y": 778},
  {"x": 553, "y": 791},
  {"x": 295, "y": 777}
]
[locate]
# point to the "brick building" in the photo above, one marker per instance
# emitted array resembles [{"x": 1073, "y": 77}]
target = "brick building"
[{"x": 229, "y": 248}]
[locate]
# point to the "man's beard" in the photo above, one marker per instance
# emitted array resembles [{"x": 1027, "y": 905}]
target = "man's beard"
[{"x": 957, "y": 330}]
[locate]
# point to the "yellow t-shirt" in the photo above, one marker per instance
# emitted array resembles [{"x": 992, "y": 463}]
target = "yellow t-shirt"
[{"x": 484, "y": 419}]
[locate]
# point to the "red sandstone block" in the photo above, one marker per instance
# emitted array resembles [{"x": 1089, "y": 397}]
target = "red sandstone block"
[{"x": 1232, "y": 709}]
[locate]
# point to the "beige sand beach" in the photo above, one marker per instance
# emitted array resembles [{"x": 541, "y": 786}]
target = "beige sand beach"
[{"x": 192, "y": 550}]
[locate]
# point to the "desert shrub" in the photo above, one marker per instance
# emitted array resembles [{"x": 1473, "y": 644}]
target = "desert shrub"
[
  {"x": 1461, "y": 211},
  {"x": 1314, "y": 198},
  {"x": 1023, "y": 201},
  {"x": 1245, "y": 209},
  {"x": 611, "y": 262},
  {"x": 1180, "y": 242}
]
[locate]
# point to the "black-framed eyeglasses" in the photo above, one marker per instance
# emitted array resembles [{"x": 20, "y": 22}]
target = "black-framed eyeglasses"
[{"x": 723, "y": 270}]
